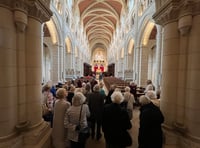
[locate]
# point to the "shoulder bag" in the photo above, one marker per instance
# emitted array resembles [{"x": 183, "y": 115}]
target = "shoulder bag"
[{"x": 84, "y": 133}]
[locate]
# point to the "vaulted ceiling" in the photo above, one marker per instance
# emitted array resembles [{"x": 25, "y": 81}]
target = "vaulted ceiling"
[{"x": 100, "y": 18}]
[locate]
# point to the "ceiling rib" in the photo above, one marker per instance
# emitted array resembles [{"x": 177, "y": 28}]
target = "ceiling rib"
[{"x": 100, "y": 19}]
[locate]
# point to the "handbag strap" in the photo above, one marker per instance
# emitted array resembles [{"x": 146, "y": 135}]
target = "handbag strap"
[{"x": 80, "y": 115}]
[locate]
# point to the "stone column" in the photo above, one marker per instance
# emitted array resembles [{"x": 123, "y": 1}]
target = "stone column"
[
  {"x": 8, "y": 76},
  {"x": 125, "y": 59},
  {"x": 192, "y": 109},
  {"x": 68, "y": 60},
  {"x": 21, "y": 75},
  {"x": 130, "y": 62},
  {"x": 61, "y": 61},
  {"x": 55, "y": 63},
  {"x": 143, "y": 66},
  {"x": 170, "y": 71},
  {"x": 21, "y": 20},
  {"x": 159, "y": 43},
  {"x": 136, "y": 65},
  {"x": 180, "y": 73},
  {"x": 34, "y": 136}
]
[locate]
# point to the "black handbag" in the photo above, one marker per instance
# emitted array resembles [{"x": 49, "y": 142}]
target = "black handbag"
[{"x": 84, "y": 133}]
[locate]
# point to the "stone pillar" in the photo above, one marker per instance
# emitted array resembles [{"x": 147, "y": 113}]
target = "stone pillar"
[
  {"x": 143, "y": 66},
  {"x": 192, "y": 109},
  {"x": 159, "y": 43},
  {"x": 21, "y": 20},
  {"x": 125, "y": 59},
  {"x": 180, "y": 73},
  {"x": 61, "y": 61},
  {"x": 136, "y": 68},
  {"x": 55, "y": 63},
  {"x": 68, "y": 61},
  {"x": 130, "y": 62},
  {"x": 34, "y": 136},
  {"x": 21, "y": 49},
  {"x": 8, "y": 77}
]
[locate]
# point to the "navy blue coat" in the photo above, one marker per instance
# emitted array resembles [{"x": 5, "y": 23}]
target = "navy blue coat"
[
  {"x": 115, "y": 125},
  {"x": 150, "y": 131}
]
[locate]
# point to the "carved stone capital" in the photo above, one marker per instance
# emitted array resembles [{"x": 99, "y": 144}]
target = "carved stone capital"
[
  {"x": 173, "y": 10},
  {"x": 20, "y": 15},
  {"x": 167, "y": 13},
  {"x": 185, "y": 24},
  {"x": 6, "y": 3},
  {"x": 39, "y": 9}
]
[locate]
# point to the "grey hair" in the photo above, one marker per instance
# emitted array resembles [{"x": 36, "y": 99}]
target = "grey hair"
[
  {"x": 150, "y": 94},
  {"x": 117, "y": 97},
  {"x": 127, "y": 89},
  {"x": 143, "y": 100},
  {"x": 78, "y": 99}
]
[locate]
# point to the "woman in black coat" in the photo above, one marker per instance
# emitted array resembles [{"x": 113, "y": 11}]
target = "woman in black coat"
[
  {"x": 116, "y": 123},
  {"x": 150, "y": 131}
]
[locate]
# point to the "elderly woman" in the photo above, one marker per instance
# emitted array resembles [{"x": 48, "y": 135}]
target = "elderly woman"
[
  {"x": 152, "y": 96},
  {"x": 151, "y": 118},
  {"x": 128, "y": 101},
  {"x": 47, "y": 104},
  {"x": 72, "y": 116},
  {"x": 116, "y": 123},
  {"x": 60, "y": 107},
  {"x": 149, "y": 86}
]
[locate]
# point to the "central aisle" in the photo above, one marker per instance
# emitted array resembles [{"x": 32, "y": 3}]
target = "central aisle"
[{"x": 134, "y": 133}]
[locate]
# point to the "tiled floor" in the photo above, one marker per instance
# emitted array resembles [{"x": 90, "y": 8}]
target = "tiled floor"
[{"x": 134, "y": 133}]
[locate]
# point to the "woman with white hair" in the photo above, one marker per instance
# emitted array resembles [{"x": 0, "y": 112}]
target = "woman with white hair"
[
  {"x": 149, "y": 86},
  {"x": 71, "y": 119},
  {"x": 128, "y": 102},
  {"x": 151, "y": 118},
  {"x": 116, "y": 123},
  {"x": 152, "y": 96}
]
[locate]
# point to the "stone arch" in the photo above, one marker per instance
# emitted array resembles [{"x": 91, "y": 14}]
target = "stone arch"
[
  {"x": 53, "y": 40},
  {"x": 144, "y": 45}
]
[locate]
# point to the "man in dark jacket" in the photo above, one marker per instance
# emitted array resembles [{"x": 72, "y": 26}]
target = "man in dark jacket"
[{"x": 96, "y": 104}]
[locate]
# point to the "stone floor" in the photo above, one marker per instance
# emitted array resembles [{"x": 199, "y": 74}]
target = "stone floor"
[{"x": 134, "y": 133}]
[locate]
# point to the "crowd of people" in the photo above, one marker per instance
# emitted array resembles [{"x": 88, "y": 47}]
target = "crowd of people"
[{"x": 70, "y": 107}]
